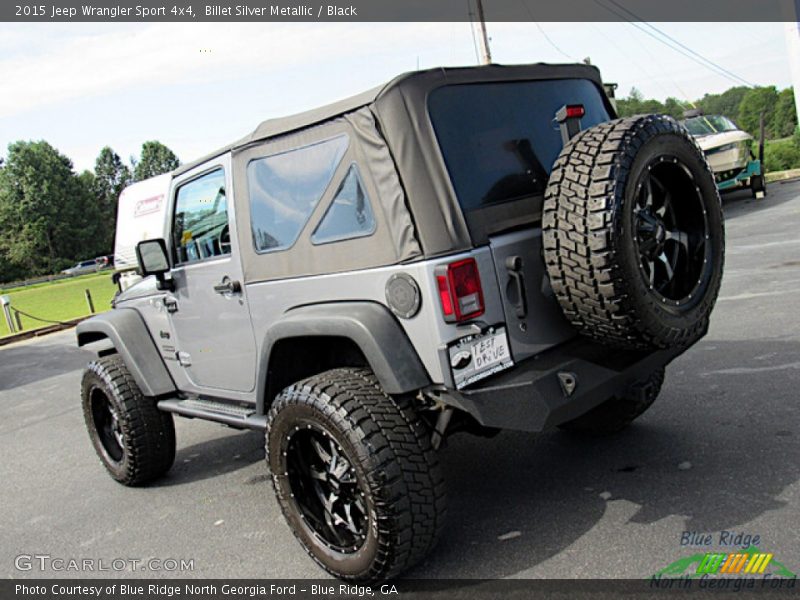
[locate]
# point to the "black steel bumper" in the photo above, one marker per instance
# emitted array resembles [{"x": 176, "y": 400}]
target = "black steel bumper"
[{"x": 535, "y": 394}]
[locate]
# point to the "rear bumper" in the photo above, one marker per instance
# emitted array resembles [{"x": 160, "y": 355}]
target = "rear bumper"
[{"x": 532, "y": 396}]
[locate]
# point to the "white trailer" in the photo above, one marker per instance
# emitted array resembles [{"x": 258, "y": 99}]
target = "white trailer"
[{"x": 141, "y": 215}]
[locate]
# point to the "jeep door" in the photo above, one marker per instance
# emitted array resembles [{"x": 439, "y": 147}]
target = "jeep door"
[{"x": 208, "y": 308}]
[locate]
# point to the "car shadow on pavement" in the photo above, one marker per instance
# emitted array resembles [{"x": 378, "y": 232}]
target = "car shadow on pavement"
[
  {"x": 738, "y": 203},
  {"x": 717, "y": 450},
  {"x": 28, "y": 363},
  {"x": 215, "y": 457}
]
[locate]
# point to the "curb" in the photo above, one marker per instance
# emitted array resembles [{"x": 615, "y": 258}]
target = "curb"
[
  {"x": 781, "y": 176},
  {"x": 26, "y": 335}
]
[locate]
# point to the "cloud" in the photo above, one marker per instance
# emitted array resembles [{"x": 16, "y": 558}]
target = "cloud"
[{"x": 116, "y": 57}]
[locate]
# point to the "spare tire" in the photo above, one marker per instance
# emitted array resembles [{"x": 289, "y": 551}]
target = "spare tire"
[{"x": 633, "y": 234}]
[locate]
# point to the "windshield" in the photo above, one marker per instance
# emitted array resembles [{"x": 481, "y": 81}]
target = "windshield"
[
  {"x": 708, "y": 125},
  {"x": 500, "y": 140}
]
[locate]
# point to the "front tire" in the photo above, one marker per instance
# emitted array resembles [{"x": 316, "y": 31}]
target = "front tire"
[
  {"x": 134, "y": 440},
  {"x": 355, "y": 475}
]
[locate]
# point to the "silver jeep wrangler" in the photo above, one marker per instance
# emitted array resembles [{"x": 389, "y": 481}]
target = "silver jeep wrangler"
[{"x": 460, "y": 249}]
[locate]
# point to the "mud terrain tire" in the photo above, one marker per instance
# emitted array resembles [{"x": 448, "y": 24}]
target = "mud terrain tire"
[
  {"x": 355, "y": 475},
  {"x": 633, "y": 234},
  {"x": 134, "y": 440}
]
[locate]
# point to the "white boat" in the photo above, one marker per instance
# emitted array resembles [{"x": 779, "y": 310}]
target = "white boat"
[{"x": 727, "y": 148}]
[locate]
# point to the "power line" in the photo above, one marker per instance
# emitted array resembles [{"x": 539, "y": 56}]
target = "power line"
[
  {"x": 681, "y": 48},
  {"x": 543, "y": 32},
  {"x": 665, "y": 72},
  {"x": 551, "y": 42},
  {"x": 647, "y": 73},
  {"x": 682, "y": 45}
]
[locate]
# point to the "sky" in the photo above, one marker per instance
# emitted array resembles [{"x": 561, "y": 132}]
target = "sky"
[{"x": 199, "y": 86}]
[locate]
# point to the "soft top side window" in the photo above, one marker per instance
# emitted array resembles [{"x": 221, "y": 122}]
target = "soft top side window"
[
  {"x": 200, "y": 227},
  {"x": 349, "y": 215},
  {"x": 285, "y": 189}
]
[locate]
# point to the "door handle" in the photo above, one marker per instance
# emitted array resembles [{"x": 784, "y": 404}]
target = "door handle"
[
  {"x": 228, "y": 286},
  {"x": 514, "y": 267}
]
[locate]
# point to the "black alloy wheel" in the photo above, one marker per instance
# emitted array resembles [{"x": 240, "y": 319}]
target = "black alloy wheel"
[
  {"x": 134, "y": 440},
  {"x": 355, "y": 474},
  {"x": 107, "y": 424},
  {"x": 671, "y": 231},
  {"x": 326, "y": 488}
]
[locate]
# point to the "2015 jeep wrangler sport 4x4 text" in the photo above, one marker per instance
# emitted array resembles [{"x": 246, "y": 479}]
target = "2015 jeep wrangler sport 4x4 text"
[{"x": 460, "y": 249}]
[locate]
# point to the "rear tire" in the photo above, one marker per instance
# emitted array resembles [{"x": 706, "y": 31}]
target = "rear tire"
[
  {"x": 133, "y": 438},
  {"x": 633, "y": 234},
  {"x": 355, "y": 475},
  {"x": 616, "y": 413}
]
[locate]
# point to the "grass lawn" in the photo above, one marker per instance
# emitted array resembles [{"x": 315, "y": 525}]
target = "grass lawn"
[{"x": 60, "y": 300}]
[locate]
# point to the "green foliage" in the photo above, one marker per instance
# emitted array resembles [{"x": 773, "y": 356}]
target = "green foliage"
[
  {"x": 725, "y": 104},
  {"x": 742, "y": 104},
  {"x": 48, "y": 214},
  {"x": 52, "y": 217},
  {"x": 635, "y": 104},
  {"x": 155, "y": 159},
  {"x": 781, "y": 155},
  {"x": 784, "y": 122},
  {"x": 111, "y": 177},
  {"x": 755, "y": 102}
]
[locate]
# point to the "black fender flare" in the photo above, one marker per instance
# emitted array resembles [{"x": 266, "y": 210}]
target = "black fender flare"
[
  {"x": 375, "y": 331},
  {"x": 127, "y": 331}
]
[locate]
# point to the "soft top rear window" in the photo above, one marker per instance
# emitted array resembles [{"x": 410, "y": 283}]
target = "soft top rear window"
[{"x": 500, "y": 140}]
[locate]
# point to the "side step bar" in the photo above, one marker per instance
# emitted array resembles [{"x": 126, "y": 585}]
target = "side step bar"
[{"x": 239, "y": 417}]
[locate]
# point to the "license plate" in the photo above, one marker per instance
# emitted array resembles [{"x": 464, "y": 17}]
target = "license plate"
[{"x": 478, "y": 356}]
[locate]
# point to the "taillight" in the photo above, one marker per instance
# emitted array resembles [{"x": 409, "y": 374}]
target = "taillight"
[
  {"x": 575, "y": 111},
  {"x": 460, "y": 290}
]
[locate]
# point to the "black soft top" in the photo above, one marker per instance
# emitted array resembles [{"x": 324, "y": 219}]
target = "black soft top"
[{"x": 401, "y": 113}]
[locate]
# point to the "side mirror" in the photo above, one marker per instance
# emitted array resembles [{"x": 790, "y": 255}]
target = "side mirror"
[{"x": 153, "y": 260}]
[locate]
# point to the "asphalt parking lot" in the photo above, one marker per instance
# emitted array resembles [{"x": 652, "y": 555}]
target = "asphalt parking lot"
[{"x": 719, "y": 451}]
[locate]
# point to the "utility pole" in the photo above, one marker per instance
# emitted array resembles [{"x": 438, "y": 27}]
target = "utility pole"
[{"x": 486, "y": 54}]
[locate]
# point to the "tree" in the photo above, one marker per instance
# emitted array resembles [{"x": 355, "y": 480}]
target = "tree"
[
  {"x": 674, "y": 108},
  {"x": 155, "y": 159},
  {"x": 784, "y": 122},
  {"x": 726, "y": 103},
  {"x": 48, "y": 214},
  {"x": 632, "y": 105},
  {"x": 754, "y": 102},
  {"x": 111, "y": 177}
]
